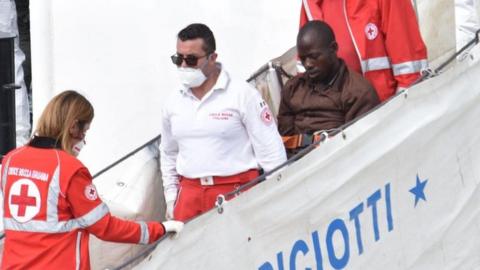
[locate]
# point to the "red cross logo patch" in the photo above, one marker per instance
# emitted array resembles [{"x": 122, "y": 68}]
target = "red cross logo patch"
[
  {"x": 91, "y": 192},
  {"x": 267, "y": 116},
  {"x": 371, "y": 31},
  {"x": 24, "y": 200}
]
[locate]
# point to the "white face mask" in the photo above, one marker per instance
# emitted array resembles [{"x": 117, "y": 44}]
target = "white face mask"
[
  {"x": 78, "y": 147},
  {"x": 192, "y": 77}
]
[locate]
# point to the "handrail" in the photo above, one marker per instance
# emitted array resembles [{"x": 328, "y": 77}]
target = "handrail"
[
  {"x": 126, "y": 156},
  {"x": 266, "y": 67},
  {"x": 259, "y": 72},
  {"x": 475, "y": 40}
]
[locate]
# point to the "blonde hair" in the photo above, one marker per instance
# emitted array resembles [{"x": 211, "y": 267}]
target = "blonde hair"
[{"x": 60, "y": 114}]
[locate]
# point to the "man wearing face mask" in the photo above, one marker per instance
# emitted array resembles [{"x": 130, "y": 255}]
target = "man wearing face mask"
[
  {"x": 326, "y": 96},
  {"x": 217, "y": 132}
]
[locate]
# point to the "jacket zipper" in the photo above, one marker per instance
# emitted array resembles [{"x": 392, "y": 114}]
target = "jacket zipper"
[
  {"x": 351, "y": 35},
  {"x": 307, "y": 10}
]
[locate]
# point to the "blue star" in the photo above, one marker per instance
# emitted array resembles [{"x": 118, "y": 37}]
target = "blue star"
[{"x": 418, "y": 190}]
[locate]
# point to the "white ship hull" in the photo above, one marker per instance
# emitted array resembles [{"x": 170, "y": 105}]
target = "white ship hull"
[{"x": 354, "y": 202}]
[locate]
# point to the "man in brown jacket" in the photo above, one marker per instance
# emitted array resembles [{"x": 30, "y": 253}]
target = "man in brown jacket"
[{"x": 327, "y": 95}]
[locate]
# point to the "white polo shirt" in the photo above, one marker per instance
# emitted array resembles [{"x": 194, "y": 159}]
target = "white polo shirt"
[{"x": 229, "y": 131}]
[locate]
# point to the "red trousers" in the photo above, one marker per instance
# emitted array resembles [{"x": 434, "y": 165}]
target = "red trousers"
[{"x": 194, "y": 198}]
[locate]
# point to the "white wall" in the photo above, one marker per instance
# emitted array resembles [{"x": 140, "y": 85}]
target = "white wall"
[{"x": 117, "y": 52}]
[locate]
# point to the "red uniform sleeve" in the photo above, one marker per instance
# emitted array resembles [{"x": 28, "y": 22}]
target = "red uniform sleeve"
[
  {"x": 403, "y": 41},
  {"x": 93, "y": 215}
]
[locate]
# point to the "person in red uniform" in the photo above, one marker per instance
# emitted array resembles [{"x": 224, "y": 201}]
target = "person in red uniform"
[
  {"x": 379, "y": 39},
  {"x": 50, "y": 203}
]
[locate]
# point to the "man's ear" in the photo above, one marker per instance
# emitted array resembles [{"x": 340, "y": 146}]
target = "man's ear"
[
  {"x": 213, "y": 57},
  {"x": 334, "y": 46}
]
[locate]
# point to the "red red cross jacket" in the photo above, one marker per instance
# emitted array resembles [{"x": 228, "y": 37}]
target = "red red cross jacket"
[
  {"x": 50, "y": 209},
  {"x": 386, "y": 37}
]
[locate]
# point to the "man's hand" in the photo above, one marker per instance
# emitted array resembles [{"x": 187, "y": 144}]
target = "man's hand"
[
  {"x": 169, "y": 210},
  {"x": 173, "y": 226}
]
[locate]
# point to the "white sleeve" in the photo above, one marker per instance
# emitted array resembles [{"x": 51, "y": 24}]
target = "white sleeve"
[
  {"x": 467, "y": 21},
  {"x": 168, "y": 159},
  {"x": 262, "y": 130}
]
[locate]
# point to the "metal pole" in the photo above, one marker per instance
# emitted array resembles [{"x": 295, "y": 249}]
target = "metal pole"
[{"x": 7, "y": 94}]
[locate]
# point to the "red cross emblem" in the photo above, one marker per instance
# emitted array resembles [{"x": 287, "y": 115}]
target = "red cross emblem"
[
  {"x": 266, "y": 116},
  {"x": 371, "y": 31},
  {"x": 91, "y": 192},
  {"x": 24, "y": 201}
]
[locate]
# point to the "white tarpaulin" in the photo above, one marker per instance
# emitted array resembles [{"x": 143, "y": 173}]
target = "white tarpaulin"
[{"x": 400, "y": 190}]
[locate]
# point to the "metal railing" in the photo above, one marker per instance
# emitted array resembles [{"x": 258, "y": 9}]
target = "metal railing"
[{"x": 136, "y": 150}]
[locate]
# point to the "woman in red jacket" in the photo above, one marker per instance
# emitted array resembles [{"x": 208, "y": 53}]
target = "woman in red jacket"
[{"x": 50, "y": 203}]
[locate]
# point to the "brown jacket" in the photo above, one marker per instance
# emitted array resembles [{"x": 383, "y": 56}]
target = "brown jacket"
[{"x": 306, "y": 108}]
